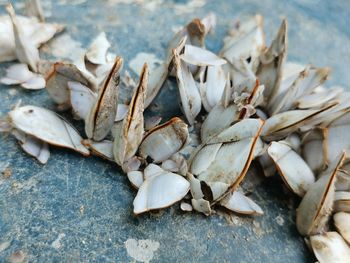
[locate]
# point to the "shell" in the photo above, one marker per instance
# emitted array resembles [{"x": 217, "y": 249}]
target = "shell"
[
  {"x": 342, "y": 224},
  {"x": 307, "y": 81},
  {"x": 316, "y": 206},
  {"x": 239, "y": 203},
  {"x": 225, "y": 158},
  {"x": 102, "y": 149},
  {"x": 246, "y": 42},
  {"x": 34, "y": 8},
  {"x": 26, "y": 51},
  {"x": 160, "y": 191},
  {"x": 19, "y": 74},
  {"x": 102, "y": 114},
  {"x": 294, "y": 171},
  {"x": 57, "y": 82},
  {"x": 82, "y": 99},
  {"x": 32, "y": 29},
  {"x": 163, "y": 141},
  {"x": 313, "y": 150},
  {"x": 33, "y": 146},
  {"x": 189, "y": 94},
  {"x": 200, "y": 57},
  {"x": 330, "y": 247},
  {"x": 97, "y": 52},
  {"x": 130, "y": 134},
  {"x": 47, "y": 126},
  {"x": 271, "y": 63}
]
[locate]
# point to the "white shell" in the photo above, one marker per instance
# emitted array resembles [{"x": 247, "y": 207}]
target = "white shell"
[
  {"x": 97, "y": 52},
  {"x": 102, "y": 115},
  {"x": 103, "y": 148},
  {"x": 271, "y": 63},
  {"x": 130, "y": 133},
  {"x": 201, "y": 57},
  {"x": 25, "y": 49},
  {"x": 330, "y": 248},
  {"x": 342, "y": 223},
  {"x": 20, "y": 74},
  {"x": 239, "y": 203},
  {"x": 316, "y": 206},
  {"x": 160, "y": 191},
  {"x": 164, "y": 140},
  {"x": 32, "y": 29},
  {"x": 292, "y": 168},
  {"x": 189, "y": 94},
  {"x": 33, "y": 146},
  {"x": 245, "y": 41},
  {"x": 47, "y": 126},
  {"x": 82, "y": 99}
]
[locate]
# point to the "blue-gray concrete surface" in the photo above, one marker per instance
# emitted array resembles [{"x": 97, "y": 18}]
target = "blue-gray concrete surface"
[{"x": 87, "y": 202}]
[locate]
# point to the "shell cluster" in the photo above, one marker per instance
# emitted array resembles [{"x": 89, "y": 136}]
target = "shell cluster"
[{"x": 246, "y": 104}]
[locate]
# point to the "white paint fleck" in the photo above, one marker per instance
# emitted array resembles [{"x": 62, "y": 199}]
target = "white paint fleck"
[
  {"x": 141, "y": 250},
  {"x": 279, "y": 219},
  {"x": 57, "y": 242},
  {"x": 137, "y": 62}
]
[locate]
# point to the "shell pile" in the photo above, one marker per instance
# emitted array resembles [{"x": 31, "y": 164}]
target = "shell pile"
[{"x": 245, "y": 104}]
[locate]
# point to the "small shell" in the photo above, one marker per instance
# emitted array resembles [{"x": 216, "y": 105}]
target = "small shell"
[
  {"x": 47, "y": 126},
  {"x": 239, "y": 203},
  {"x": 271, "y": 63},
  {"x": 33, "y": 146},
  {"x": 82, "y": 99},
  {"x": 292, "y": 168},
  {"x": 200, "y": 57},
  {"x": 313, "y": 150},
  {"x": 26, "y": 51},
  {"x": 97, "y": 52},
  {"x": 102, "y": 149},
  {"x": 102, "y": 114},
  {"x": 135, "y": 178},
  {"x": 316, "y": 206},
  {"x": 131, "y": 131},
  {"x": 202, "y": 206},
  {"x": 164, "y": 140},
  {"x": 245, "y": 42},
  {"x": 307, "y": 81},
  {"x": 186, "y": 207},
  {"x": 19, "y": 74},
  {"x": 189, "y": 94},
  {"x": 330, "y": 248},
  {"x": 282, "y": 124},
  {"x": 57, "y": 82},
  {"x": 333, "y": 145},
  {"x": 342, "y": 223},
  {"x": 159, "y": 75},
  {"x": 160, "y": 191},
  {"x": 218, "y": 119}
]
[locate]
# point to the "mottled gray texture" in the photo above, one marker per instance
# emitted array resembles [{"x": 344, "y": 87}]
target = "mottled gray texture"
[{"x": 77, "y": 209}]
